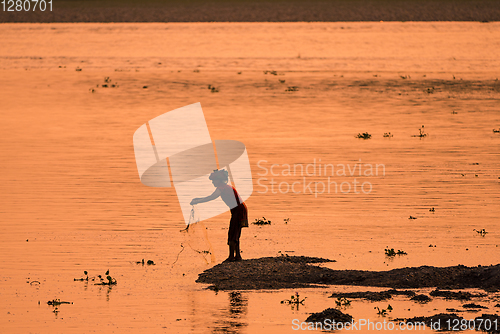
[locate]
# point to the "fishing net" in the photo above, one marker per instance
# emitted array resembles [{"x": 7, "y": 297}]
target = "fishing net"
[{"x": 196, "y": 239}]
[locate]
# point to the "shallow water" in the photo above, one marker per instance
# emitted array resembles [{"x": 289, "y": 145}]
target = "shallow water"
[{"x": 72, "y": 199}]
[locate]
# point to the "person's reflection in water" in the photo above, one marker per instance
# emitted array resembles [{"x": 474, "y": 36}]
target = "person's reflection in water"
[{"x": 232, "y": 321}]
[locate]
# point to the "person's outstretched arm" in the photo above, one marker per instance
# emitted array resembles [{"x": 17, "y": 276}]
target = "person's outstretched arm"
[{"x": 198, "y": 200}]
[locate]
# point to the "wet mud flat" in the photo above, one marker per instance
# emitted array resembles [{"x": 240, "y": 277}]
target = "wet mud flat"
[{"x": 300, "y": 272}]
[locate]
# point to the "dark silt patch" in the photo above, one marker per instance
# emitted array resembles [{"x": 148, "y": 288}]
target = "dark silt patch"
[
  {"x": 473, "y": 305},
  {"x": 421, "y": 298},
  {"x": 331, "y": 314},
  {"x": 298, "y": 272},
  {"x": 458, "y": 295},
  {"x": 371, "y": 295}
]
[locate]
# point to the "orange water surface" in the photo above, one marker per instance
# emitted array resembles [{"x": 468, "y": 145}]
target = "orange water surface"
[{"x": 72, "y": 200}]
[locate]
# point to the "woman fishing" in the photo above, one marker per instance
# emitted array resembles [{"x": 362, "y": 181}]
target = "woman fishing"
[{"x": 239, "y": 213}]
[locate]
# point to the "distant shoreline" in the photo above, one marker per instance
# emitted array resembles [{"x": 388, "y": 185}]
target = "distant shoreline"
[{"x": 260, "y": 11}]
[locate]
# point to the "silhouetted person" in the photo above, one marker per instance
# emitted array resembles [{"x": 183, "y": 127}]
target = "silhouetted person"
[{"x": 239, "y": 214}]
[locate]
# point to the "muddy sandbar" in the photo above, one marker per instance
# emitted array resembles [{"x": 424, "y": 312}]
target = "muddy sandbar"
[{"x": 300, "y": 271}]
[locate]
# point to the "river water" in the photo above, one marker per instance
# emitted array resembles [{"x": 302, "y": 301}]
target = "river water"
[{"x": 72, "y": 200}]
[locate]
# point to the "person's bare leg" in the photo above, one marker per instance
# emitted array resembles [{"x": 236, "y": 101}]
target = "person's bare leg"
[
  {"x": 232, "y": 247},
  {"x": 237, "y": 255}
]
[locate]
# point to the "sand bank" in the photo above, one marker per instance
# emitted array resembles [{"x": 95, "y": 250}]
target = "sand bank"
[{"x": 297, "y": 272}]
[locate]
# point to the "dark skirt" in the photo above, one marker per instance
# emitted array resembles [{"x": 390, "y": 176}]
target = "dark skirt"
[{"x": 238, "y": 214}]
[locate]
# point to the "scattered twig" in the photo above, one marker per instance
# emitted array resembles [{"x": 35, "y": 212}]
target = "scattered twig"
[
  {"x": 182, "y": 246},
  {"x": 391, "y": 252}
]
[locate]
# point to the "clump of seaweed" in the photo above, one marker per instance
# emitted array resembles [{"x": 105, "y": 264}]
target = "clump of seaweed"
[
  {"x": 294, "y": 301},
  {"x": 292, "y": 89},
  {"x": 383, "y": 312},
  {"x": 262, "y": 221},
  {"x": 271, "y": 72},
  {"x": 110, "y": 280},
  {"x": 421, "y": 134},
  {"x": 342, "y": 302},
  {"x": 391, "y": 252},
  {"x": 481, "y": 232},
  {"x": 85, "y": 272},
  {"x": 364, "y": 135},
  {"x": 213, "y": 89},
  {"x": 107, "y": 83},
  {"x": 388, "y": 135}
]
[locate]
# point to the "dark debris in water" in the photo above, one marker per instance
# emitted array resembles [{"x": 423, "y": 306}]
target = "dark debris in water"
[
  {"x": 364, "y": 135},
  {"x": 57, "y": 302}
]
